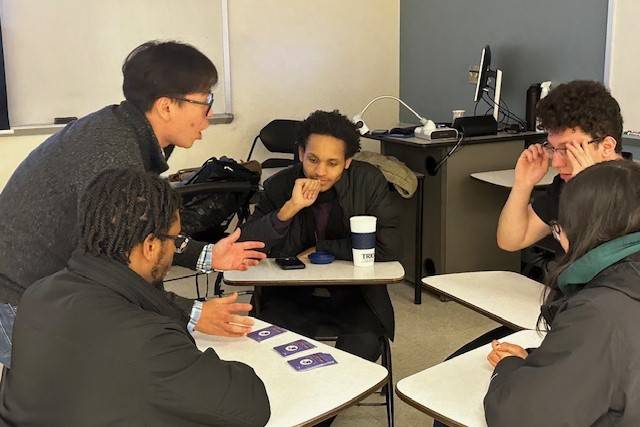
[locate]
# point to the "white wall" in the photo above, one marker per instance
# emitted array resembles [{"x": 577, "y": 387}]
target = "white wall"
[
  {"x": 289, "y": 58},
  {"x": 624, "y": 60}
]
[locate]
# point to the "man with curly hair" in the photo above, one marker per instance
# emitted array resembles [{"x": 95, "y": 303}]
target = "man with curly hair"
[{"x": 584, "y": 127}]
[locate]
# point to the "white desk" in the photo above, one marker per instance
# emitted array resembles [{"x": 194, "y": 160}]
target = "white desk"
[
  {"x": 300, "y": 398},
  {"x": 267, "y": 273},
  {"x": 505, "y": 178},
  {"x": 453, "y": 391},
  {"x": 508, "y": 298}
]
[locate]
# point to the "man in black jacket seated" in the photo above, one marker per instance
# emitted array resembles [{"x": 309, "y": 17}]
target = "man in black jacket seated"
[
  {"x": 307, "y": 207},
  {"x": 98, "y": 343}
]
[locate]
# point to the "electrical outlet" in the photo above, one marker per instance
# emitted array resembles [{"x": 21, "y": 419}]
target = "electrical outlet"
[{"x": 474, "y": 72}]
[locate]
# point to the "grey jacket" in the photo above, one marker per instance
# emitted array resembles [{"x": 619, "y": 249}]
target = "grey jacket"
[
  {"x": 38, "y": 206},
  {"x": 586, "y": 371}
]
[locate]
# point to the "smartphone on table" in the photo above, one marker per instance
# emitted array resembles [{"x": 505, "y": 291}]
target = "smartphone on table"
[{"x": 290, "y": 263}]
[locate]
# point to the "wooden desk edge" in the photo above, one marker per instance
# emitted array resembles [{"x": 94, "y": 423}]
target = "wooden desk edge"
[
  {"x": 313, "y": 282},
  {"x": 345, "y": 405},
  {"x": 475, "y": 308},
  {"x": 435, "y": 415}
]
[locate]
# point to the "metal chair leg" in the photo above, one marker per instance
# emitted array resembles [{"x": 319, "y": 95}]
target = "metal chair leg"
[{"x": 386, "y": 362}]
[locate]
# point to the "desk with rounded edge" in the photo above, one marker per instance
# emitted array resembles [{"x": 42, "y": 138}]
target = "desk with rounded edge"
[
  {"x": 268, "y": 273},
  {"x": 300, "y": 398},
  {"x": 452, "y": 392}
]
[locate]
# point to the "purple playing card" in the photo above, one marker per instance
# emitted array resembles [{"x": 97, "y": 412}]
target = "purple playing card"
[
  {"x": 266, "y": 333},
  {"x": 293, "y": 347},
  {"x": 311, "y": 361}
]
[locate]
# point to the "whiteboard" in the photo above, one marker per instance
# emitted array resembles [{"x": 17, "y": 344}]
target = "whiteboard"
[
  {"x": 622, "y": 59},
  {"x": 64, "y": 57}
]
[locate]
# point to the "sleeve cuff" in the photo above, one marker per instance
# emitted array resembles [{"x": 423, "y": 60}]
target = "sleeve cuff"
[
  {"x": 278, "y": 225},
  {"x": 196, "y": 311},
  {"x": 203, "y": 265}
]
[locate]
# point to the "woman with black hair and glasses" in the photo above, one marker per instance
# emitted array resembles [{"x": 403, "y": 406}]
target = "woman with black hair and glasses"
[{"x": 586, "y": 372}]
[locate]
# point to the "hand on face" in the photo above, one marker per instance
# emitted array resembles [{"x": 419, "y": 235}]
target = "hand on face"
[
  {"x": 579, "y": 155},
  {"x": 501, "y": 350},
  {"x": 228, "y": 254},
  {"x": 305, "y": 192},
  {"x": 219, "y": 317},
  {"x": 532, "y": 166}
]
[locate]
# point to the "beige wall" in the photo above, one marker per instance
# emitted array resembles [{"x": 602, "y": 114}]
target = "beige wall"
[{"x": 289, "y": 58}]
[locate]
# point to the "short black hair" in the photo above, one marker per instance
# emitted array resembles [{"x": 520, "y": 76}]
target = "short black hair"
[
  {"x": 120, "y": 208},
  {"x": 156, "y": 69},
  {"x": 333, "y": 124},
  {"x": 585, "y": 104}
]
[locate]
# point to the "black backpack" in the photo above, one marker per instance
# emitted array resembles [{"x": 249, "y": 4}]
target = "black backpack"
[{"x": 213, "y": 195}]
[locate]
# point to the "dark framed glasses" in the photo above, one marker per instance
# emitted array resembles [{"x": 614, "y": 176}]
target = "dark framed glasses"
[
  {"x": 562, "y": 151},
  {"x": 208, "y": 103},
  {"x": 181, "y": 241}
]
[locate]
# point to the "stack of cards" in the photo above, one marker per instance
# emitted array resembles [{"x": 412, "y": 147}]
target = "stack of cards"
[
  {"x": 303, "y": 363},
  {"x": 311, "y": 361},
  {"x": 266, "y": 333}
]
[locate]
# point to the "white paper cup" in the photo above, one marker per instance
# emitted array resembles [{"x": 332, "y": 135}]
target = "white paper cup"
[
  {"x": 455, "y": 114},
  {"x": 363, "y": 240}
]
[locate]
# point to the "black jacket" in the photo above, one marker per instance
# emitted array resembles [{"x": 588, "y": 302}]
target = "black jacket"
[
  {"x": 96, "y": 345},
  {"x": 38, "y": 206},
  {"x": 362, "y": 190},
  {"x": 587, "y": 370}
]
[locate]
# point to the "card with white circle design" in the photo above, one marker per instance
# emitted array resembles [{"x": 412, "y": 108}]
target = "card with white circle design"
[
  {"x": 311, "y": 361},
  {"x": 293, "y": 347},
  {"x": 266, "y": 333}
]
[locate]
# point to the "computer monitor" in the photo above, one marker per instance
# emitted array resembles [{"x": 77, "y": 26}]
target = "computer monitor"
[{"x": 484, "y": 74}]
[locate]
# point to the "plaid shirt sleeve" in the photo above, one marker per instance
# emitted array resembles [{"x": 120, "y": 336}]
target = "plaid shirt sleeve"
[
  {"x": 196, "y": 311},
  {"x": 204, "y": 260}
]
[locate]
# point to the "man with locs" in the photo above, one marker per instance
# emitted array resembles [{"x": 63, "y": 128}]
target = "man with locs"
[
  {"x": 98, "y": 342},
  {"x": 167, "y": 89}
]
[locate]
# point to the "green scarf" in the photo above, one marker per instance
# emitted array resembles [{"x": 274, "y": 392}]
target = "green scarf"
[{"x": 588, "y": 266}]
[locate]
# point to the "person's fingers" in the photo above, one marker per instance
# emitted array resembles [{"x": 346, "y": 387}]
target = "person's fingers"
[
  {"x": 231, "y": 330},
  {"x": 495, "y": 344},
  {"x": 233, "y": 237},
  {"x": 512, "y": 349},
  {"x": 250, "y": 262},
  {"x": 528, "y": 156},
  {"x": 229, "y": 299},
  {"x": 239, "y": 320},
  {"x": 251, "y": 245},
  {"x": 238, "y": 307}
]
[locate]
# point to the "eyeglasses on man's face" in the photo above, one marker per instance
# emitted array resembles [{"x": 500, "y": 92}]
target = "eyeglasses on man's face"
[
  {"x": 208, "y": 102},
  {"x": 562, "y": 151},
  {"x": 181, "y": 241}
]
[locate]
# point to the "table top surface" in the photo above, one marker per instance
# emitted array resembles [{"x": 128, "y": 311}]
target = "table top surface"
[
  {"x": 336, "y": 273},
  {"x": 417, "y": 142},
  {"x": 453, "y": 391},
  {"x": 507, "y": 297},
  {"x": 300, "y": 398},
  {"x": 505, "y": 178}
]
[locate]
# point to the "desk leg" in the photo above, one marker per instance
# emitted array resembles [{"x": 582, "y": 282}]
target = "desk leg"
[
  {"x": 257, "y": 296},
  {"x": 417, "y": 280}
]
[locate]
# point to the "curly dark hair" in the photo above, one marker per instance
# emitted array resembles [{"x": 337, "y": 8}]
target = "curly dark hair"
[
  {"x": 333, "y": 124},
  {"x": 585, "y": 104},
  {"x": 120, "y": 208}
]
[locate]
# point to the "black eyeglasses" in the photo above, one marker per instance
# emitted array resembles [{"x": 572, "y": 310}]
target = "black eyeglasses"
[
  {"x": 181, "y": 241},
  {"x": 562, "y": 151},
  {"x": 208, "y": 102},
  {"x": 555, "y": 229}
]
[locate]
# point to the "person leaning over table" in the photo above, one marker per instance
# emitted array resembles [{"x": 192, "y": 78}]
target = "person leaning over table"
[
  {"x": 98, "y": 343},
  {"x": 167, "y": 89},
  {"x": 585, "y": 372}
]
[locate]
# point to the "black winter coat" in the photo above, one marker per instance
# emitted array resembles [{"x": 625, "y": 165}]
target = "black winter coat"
[
  {"x": 96, "y": 345},
  {"x": 586, "y": 372}
]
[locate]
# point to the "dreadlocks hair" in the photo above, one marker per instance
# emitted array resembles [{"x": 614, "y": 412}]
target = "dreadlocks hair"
[{"x": 120, "y": 208}]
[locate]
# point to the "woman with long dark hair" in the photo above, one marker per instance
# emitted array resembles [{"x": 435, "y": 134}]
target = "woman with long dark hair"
[{"x": 586, "y": 372}]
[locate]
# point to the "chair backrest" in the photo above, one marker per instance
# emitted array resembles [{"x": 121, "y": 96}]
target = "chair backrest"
[{"x": 279, "y": 136}]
